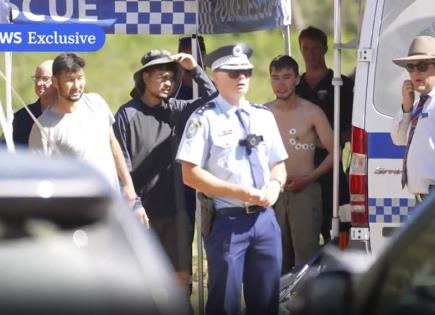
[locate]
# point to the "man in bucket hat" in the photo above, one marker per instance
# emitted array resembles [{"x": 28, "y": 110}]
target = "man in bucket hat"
[
  {"x": 231, "y": 151},
  {"x": 146, "y": 127},
  {"x": 414, "y": 126}
]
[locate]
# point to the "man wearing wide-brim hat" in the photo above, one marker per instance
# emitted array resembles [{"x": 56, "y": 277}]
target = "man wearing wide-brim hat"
[
  {"x": 232, "y": 152},
  {"x": 146, "y": 128},
  {"x": 414, "y": 126}
]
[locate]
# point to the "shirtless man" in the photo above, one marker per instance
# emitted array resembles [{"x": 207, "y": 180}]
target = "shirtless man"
[{"x": 303, "y": 126}]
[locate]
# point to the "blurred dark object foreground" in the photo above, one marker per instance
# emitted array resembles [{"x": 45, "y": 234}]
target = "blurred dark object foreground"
[
  {"x": 401, "y": 280},
  {"x": 70, "y": 245}
]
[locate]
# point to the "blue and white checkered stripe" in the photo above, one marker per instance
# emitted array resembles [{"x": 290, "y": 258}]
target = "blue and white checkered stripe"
[
  {"x": 390, "y": 210},
  {"x": 155, "y": 17},
  {"x": 161, "y": 16},
  {"x": 242, "y": 16}
]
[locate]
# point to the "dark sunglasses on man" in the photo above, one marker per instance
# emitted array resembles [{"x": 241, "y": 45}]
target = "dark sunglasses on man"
[
  {"x": 234, "y": 74},
  {"x": 420, "y": 67},
  {"x": 44, "y": 79}
]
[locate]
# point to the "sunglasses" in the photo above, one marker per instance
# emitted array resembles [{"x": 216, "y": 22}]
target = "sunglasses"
[
  {"x": 44, "y": 79},
  {"x": 420, "y": 67},
  {"x": 234, "y": 74}
]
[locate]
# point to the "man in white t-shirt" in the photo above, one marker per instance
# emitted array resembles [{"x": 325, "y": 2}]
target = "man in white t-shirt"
[{"x": 80, "y": 124}]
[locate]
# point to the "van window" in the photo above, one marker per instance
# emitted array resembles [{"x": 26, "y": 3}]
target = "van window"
[{"x": 401, "y": 21}]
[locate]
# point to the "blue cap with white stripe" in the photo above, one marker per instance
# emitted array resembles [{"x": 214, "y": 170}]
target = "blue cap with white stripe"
[{"x": 230, "y": 57}]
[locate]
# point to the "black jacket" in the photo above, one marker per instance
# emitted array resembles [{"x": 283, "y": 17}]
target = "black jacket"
[{"x": 149, "y": 138}]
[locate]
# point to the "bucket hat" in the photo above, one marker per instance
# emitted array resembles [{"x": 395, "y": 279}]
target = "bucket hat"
[
  {"x": 152, "y": 58},
  {"x": 421, "y": 48}
]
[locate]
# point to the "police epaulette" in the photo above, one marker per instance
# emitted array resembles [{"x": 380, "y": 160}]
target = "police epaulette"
[
  {"x": 203, "y": 108},
  {"x": 260, "y": 106}
]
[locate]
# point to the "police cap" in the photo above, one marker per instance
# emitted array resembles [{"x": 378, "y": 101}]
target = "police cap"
[{"x": 230, "y": 57}]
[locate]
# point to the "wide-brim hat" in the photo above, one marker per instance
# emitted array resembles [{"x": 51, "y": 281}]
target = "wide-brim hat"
[
  {"x": 230, "y": 57},
  {"x": 152, "y": 58},
  {"x": 421, "y": 48}
]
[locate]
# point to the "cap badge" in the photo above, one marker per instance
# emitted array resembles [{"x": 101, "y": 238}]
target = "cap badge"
[{"x": 237, "y": 51}]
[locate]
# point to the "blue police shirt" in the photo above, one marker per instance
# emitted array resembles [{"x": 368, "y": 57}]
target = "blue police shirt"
[{"x": 211, "y": 141}]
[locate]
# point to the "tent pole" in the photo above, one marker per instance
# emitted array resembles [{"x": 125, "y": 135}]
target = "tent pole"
[
  {"x": 287, "y": 43},
  {"x": 9, "y": 111},
  {"x": 194, "y": 49},
  {"x": 7, "y": 115},
  {"x": 201, "y": 307},
  {"x": 337, "y": 82},
  {"x": 287, "y": 38}
]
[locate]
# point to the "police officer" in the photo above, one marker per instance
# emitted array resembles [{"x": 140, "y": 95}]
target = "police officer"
[{"x": 231, "y": 151}]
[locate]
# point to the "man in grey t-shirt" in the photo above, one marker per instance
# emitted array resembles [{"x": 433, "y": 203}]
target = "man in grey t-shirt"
[{"x": 80, "y": 125}]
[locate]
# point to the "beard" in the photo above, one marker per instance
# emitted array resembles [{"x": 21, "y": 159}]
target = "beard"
[
  {"x": 71, "y": 97},
  {"x": 162, "y": 95},
  {"x": 284, "y": 97},
  {"x": 74, "y": 98}
]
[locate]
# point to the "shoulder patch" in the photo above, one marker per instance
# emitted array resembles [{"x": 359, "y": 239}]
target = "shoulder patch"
[
  {"x": 203, "y": 108},
  {"x": 192, "y": 128},
  {"x": 260, "y": 106}
]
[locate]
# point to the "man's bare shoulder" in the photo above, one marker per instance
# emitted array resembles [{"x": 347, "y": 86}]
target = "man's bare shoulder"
[{"x": 270, "y": 104}]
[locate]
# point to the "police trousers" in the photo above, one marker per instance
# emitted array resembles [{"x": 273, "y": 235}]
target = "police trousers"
[{"x": 244, "y": 249}]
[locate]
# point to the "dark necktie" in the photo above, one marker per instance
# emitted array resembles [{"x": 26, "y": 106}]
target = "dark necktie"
[
  {"x": 254, "y": 160},
  {"x": 414, "y": 119}
]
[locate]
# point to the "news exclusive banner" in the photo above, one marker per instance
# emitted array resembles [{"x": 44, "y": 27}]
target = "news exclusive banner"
[{"x": 51, "y": 37}]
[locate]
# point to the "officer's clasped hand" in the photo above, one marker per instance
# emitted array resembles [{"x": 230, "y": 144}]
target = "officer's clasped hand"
[
  {"x": 271, "y": 193},
  {"x": 265, "y": 197},
  {"x": 251, "y": 196}
]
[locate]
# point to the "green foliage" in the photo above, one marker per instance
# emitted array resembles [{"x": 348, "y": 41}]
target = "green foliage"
[
  {"x": 109, "y": 71},
  {"x": 319, "y": 13}
]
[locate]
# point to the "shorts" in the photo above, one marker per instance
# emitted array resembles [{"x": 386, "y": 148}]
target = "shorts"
[{"x": 176, "y": 235}]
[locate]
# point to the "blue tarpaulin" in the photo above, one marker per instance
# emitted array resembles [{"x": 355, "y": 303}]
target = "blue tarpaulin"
[{"x": 158, "y": 17}]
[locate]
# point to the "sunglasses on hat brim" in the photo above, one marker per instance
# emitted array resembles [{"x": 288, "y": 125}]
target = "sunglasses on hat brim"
[{"x": 234, "y": 74}]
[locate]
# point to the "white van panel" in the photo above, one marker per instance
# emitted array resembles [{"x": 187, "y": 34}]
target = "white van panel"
[
  {"x": 359, "y": 112},
  {"x": 381, "y": 242},
  {"x": 387, "y": 30},
  {"x": 385, "y": 178}
]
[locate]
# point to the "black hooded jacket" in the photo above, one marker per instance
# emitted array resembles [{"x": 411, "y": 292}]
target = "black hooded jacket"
[{"x": 149, "y": 138}]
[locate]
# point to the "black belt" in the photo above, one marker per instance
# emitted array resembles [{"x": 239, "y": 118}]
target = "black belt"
[{"x": 239, "y": 210}]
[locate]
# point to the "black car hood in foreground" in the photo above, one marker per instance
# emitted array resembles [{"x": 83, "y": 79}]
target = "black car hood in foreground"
[
  {"x": 401, "y": 280},
  {"x": 70, "y": 245}
]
